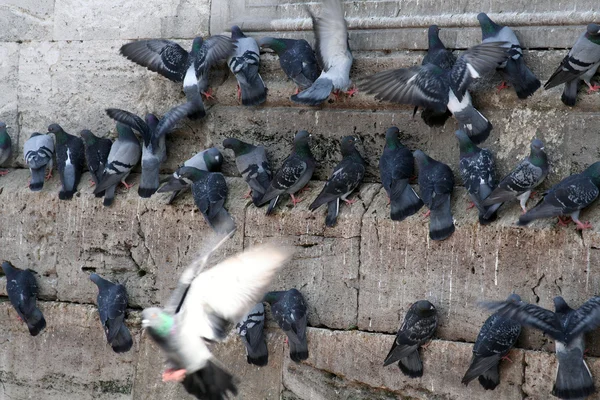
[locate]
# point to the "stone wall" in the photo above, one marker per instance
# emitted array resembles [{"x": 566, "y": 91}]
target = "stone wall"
[{"x": 59, "y": 62}]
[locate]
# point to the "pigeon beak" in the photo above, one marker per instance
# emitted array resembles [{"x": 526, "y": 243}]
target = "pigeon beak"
[{"x": 145, "y": 323}]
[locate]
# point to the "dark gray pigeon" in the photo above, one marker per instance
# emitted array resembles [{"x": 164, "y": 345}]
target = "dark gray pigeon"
[
  {"x": 244, "y": 63},
  {"x": 396, "y": 167},
  {"x": 22, "y": 292},
  {"x": 38, "y": 152},
  {"x": 496, "y": 337},
  {"x": 112, "y": 307},
  {"x": 70, "y": 160},
  {"x": 580, "y": 64},
  {"x": 519, "y": 183},
  {"x": 250, "y": 329},
  {"x": 436, "y": 182},
  {"x": 96, "y": 154},
  {"x": 513, "y": 69},
  {"x": 346, "y": 177},
  {"x": 5, "y": 147},
  {"x": 294, "y": 173},
  {"x": 568, "y": 197},
  {"x": 252, "y": 164},
  {"x": 288, "y": 308},
  {"x": 419, "y": 325}
]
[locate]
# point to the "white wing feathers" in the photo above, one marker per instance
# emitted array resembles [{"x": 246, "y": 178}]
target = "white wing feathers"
[{"x": 332, "y": 35}]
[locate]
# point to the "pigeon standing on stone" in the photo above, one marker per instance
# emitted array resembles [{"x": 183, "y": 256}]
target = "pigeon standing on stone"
[
  {"x": 496, "y": 337},
  {"x": 38, "y": 152},
  {"x": 289, "y": 310},
  {"x": 513, "y": 69},
  {"x": 396, "y": 167},
  {"x": 70, "y": 160},
  {"x": 250, "y": 329},
  {"x": 22, "y": 292},
  {"x": 244, "y": 63},
  {"x": 112, "y": 306},
  {"x": 436, "y": 182},
  {"x": 419, "y": 325},
  {"x": 96, "y": 154},
  {"x": 346, "y": 177},
  {"x": 5, "y": 147},
  {"x": 580, "y": 64}
]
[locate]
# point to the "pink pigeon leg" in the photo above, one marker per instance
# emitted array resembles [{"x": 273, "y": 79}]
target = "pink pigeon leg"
[
  {"x": 502, "y": 86},
  {"x": 350, "y": 201},
  {"x": 427, "y": 214},
  {"x": 295, "y": 200},
  {"x": 172, "y": 374},
  {"x": 592, "y": 88},
  {"x": 351, "y": 92},
  {"x": 247, "y": 195},
  {"x": 49, "y": 175},
  {"x": 127, "y": 187},
  {"x": 4, "y": 172},
  {"x": 208, "y": 94}
]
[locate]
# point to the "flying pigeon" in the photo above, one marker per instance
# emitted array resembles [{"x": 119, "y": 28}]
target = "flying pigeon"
[
  {"x": 436, "y": 182},
  {"x": 513, "y": 69},
  {"x": 250, "y": 329},
  {"x": 171, "y": 61},
  {"x": 38, "y": 152},
  {"x": 396, "y": 167},
  {"x": 520, "y": 181},
  {"x": 294, "y": 173},
  {"x": 419, "y": 325},
  {"x": 568, "y": 197},
  {"x": 333, "y": 53},
  {"x": 580, "y": 64},
  {"x": 124, "y": 155},
  {"x": 252, "y": 164},
  {"x": 346, "y": 177},
  {"x": 70, "y": 160},
  {"x": 96, "y": 154},
  {"x": 5, "y": 147},
  {"x": 477, "y": 171},
  {"x": 244, "y": 63},
  {"x": 202, "y": 308},
  {"x": 112, "y": 306},
  {"x": 496, "y": 337},
  {"x": 289, "y": 310},
  {"x": 22, "y": 292}
]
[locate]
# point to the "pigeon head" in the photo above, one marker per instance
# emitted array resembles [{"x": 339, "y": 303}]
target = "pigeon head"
[
  {"x": 422, "y": 158},
  {"x": 537, "y": 156},
  {"x": 55, "y": 128},
  {"x": 593, "y": 29},
  {"x": 125, "y": 132},
  {"x": 238, "y": 147},
  {"x": 391, "y": 138},
  {"x": 561, "y": 306},
  {"x": 347, "y": 145},
  {"x": 88, "y": 136},
  {"x": 593, "y": 172},
  {"x": 213, "y": 159},
  {"x": 151, "y": 121},
  {"x": 8, "y": 268},
  {"x": 276, "y": 45},
  {"x": 236, "y": 32},
  {"x": 157, "y": 321},
  {"x": 424, "y": 308},
  {"x": 97, "y": 279},
  {"x": 464, "y": 142},
  {"x": 2, "y": 126},
  {"x": 514, "y": 298},
  {"x": 488, "y": 27},
  {"x": 197, "y": 44},
  {"x": 434, "y": 38},
  {"x": 190, "y": 174}
]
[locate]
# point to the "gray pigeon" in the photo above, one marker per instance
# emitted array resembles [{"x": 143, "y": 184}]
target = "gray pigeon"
[
  {"x": 38, "y": 152},
  {"x": 419, "y": 325},
  {"x": 201, "y": 310},
  {"x": 436, "y": 182},
  {"x": 568, "y": 197},
  {"x": 70, "y": 160},
  {"x": 250, "y": 329},
  {"x": 244, "y": 63},
  {"x": 289, "y": 310},
  {"x": 252, "y": 164},
  {"x": 124, "y": 155},
  {"x": 112, "y": 307},
  {"x": 96, "y": 154},
  {"x": 346, "y": 177},
  {"x": 520, "y": 181},
  {"x": 22, "y": 292},
  {"x": 580, "y": 64},
  {"x": 334, "y": 55},
  {"x": 496, "y": 337},
  {"x": 5, "y": 147}
]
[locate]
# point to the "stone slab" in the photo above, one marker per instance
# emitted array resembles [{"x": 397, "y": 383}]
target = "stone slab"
[
  {"x": 26, "y": 20},
  {"x": 9, "y": 62}
]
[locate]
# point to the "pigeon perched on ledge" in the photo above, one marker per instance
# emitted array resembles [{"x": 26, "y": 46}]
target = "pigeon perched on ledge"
[
  {"x": 5, "y": 147},
  {"x": 70, "y": 160},
  {"x": 38, "y": 151},
  {"x": 244, "y": 62},
  {"x": 289, "y": 310},
  {"x": 251, "y": 330},
  {"x": 96, "y": 154}
]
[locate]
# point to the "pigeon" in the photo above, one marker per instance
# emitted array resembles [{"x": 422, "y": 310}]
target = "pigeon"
[
  {"x": 346, "y": 177},
  {"x": 70, "y": 160},
  {"x": 513, "y": 69},
  {"x": 289, "y": 310},
  {"x": 436, "y": 182},
  {"x": 520, "y": 181},
  {"x": 22, "y": 292},
  {"x": 296, "y": 58},
  {"x": 112, "y": 306},
  {"x": 5, "y": 147},
  {"x": 96, "y": 154},
  {"x": 433, "y": 87},
  {"x": 201, "y": 310},
  {"x": 580, "y": 64},
  {"x": 568, "y": 328},
  {"x": 496, "y": 337},
  {"x": 294, "y": 173},
  {"x": 419, "y": 325},
  {"x": 38, "y": 152},
  {"x": 396, "y": 167},
  {"x": 568, "y": 197},
  {"x": 333, "y": 53},
  {"x": 154, "y": 150},
  {"x": 477, "y": 171},
  {"x": 207, "y": 160},
  {"x": 250, "y": 329},
  {"x": 252, "y": 164},
  {"x": 244, "y": 63},
  {"x": 124, "y": 155},
  {"x": 192, "y": 68}
]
